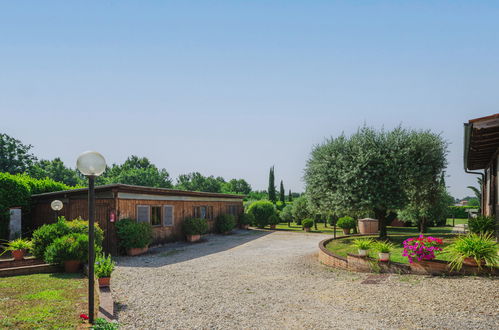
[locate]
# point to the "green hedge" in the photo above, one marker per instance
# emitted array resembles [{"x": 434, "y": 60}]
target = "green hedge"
[
  {"x": 16, "y": 190},
  {"x": 459, "y": 211}
]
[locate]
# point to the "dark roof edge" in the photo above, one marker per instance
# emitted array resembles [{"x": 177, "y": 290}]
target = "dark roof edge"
[{"x": 142, "y": 189}]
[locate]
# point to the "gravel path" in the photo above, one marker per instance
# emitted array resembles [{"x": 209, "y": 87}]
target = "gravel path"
[{"x": 272, "y": 280}]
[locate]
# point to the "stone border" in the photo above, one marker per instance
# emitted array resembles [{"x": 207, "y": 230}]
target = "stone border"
[{"x": 357, "y": 263}]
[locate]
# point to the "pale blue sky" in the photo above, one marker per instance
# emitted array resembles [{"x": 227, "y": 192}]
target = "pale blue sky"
[{"x": 230, "y": 88}]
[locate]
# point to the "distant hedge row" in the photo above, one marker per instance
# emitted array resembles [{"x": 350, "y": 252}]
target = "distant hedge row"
[
  {"x": 459, "y": 211},
  {"x": 16, "y": 190}
]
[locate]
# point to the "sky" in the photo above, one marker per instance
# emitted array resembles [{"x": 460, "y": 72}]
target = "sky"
[{"x": 230, "y": 88}]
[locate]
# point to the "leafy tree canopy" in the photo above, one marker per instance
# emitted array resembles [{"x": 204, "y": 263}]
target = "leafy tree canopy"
[
  {"x": 137, "y": 171},
  {"x": 57, "y": 171},
  {"x": 15, "y": 157}
]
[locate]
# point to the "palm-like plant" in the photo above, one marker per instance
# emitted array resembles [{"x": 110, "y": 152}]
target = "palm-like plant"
[{"x": 481, "y": 247}]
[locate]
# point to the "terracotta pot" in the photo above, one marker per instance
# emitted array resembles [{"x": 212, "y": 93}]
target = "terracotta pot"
[
  {"x": 72, "y": 266},
  {"x": 472, "y": 262},
  {"x": 244, "y": 226},
  {"x": 346, "y": 231},
  {"x": 307, "y": 229},
  {"x": 193, "y": 238},
  {"x": 384, "y": 256},
  {"x": 272, "y": 226},
  {"x": 104, "y": 281},
  {"x": 136, "y": 251},
  {"x": 18, "y": 254},
  {"x": 362, "y": 253}
]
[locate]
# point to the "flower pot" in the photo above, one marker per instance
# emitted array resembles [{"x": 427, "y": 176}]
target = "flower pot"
[
  {"x": 384, "y": 256},
  {"x": 346, "y": 231},
  {"x": 307, "y": 229},
  {"x": 193, "y": 238},
  {"x": 362, "y": 253},
  {"x": 18, "y": 254},
  {"x": 136, "y": 251},
  {"x": 472, "y": 262},
  {"x": 72, "y": 266},
  {"x": 244, "y": 226},
  {"x": 104, "y": 281},
  {"x": 272, "y": 226}
]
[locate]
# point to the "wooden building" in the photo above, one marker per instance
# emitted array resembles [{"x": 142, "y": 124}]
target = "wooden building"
[
  {"x": 164, "y": 209},
  {"x": 481, "y": 153}
]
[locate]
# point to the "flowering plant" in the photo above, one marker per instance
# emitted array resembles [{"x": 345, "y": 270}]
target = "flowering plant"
[{"x": 421, "y": 248}]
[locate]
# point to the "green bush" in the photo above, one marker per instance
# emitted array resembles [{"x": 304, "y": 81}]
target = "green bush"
[
  {"x": 331, "y": 220},
  {"x": 46, "y": 234},
  {"x": 274, "y": 220},
  {"x": 286, "y": 214},
  {"x": 225, "y": 223},
  {"x": 482, "y": 224},
  {"x": 132, "y": 234},
  {"x": 459, "y": 211},
  {"x": 346, "y": 223},
  {"x": 307, "y": 223},
  {"x": 480, "y": 247},
  {"x": 104, "y": 266},
  {"x": 194, "y": 226},
  {"x": 261, "y": 211},
  {"x": 69, "y": 247},
  {"x": 246, "y": 219}
]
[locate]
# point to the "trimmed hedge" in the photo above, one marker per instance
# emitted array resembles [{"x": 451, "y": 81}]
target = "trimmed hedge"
[
  {"x": 459, "y": 211},
  {"x": 69, "y": 247},
  {"x": 225, "y": 223},
  {"x": 132, "y": 234},
  {"x": 194, "y": 226},
  {"x": 262, "y": 211}
]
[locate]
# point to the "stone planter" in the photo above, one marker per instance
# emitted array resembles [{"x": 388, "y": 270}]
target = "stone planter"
[
  {"x": 429, "y": 267},
  {"x": 384, "y": 256},
  {"x": 72, "y": 266},
  {"x": 272, "y": 226},
  {"x": 18, "y": 254},
  {"x": 193, "y": 238},
  {"x": 307, "y": 229},
  {"x": 362, "y": 253},
  {"x": 346, "y": 231},
  {"x": 136, "y": 251},
  {"x": 104, "y": 281}
]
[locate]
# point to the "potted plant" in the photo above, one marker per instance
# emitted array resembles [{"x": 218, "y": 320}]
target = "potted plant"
[
  {"x": 474, "y": 250},
  {"x": 18, "y": 248},
  {"x": 224, "y": 223},
  {"x": 134, "y": 237},
  {"x": 421, "y": 248},
  {"x": 70, "y": 250},
  {"x": 363, "y": 245},
  {"x": 346, "y": 223},
  {"x": 384, "y": 249},
  {"x": 245, "y": 220},
  {"x": 273, "y": 221},
  {"x": 104, "y": 267},
  {"x": 307, "y": 224},
  {"x": 193, "y": 228}
]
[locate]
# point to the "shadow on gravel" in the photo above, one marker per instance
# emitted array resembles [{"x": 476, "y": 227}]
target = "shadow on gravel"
[{"x": 173, "y": 253}]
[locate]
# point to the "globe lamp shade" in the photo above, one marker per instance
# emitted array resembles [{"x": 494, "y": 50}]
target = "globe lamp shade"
[{"x": 91, "y": 163}]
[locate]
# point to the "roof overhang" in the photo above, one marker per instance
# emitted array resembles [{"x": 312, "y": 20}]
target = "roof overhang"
[{"x": 481, "y": 141}]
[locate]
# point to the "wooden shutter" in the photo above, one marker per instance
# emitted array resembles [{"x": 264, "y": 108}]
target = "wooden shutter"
[
  {"x": 142, "y": 213},
  {"x": 168, "y": 216}
]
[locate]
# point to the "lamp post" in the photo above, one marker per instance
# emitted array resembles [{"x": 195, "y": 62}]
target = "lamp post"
[{"x": 91, "y": 164}]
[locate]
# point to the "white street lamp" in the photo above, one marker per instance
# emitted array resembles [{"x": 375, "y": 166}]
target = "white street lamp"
[{"x": 91, "y": 164}]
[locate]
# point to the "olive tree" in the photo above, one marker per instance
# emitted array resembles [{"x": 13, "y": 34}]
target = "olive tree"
[{"x": 373, "y": 171}]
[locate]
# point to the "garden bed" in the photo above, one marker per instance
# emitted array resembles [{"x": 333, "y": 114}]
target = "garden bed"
[{"x": 340, "y": 253}]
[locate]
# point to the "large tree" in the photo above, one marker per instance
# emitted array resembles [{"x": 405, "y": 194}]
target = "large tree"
[
  {"x": 272, "y": 190},
  {"x": 57, "y": 171},
  {"x": 282, "y": 193},
  {"x": 237, "y": 186},
  {"x": 195, "y": 181},
  {"x": 372, "y": 172},
  {"x": 15, "y": 157},
  {"x": 137, "y": 171}
]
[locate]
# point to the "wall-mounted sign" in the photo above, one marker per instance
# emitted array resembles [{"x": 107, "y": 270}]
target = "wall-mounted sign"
[
  {"x": 56, "y": 205},
  {"x": 112, "y": 216}
]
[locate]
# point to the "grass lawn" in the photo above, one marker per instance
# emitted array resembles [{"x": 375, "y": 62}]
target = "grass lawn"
[
  {"x": 45, "y": 301},
  {"x": 343, "y": 246},
  {"x": 320, "y": 228},
  {"x": 456, "y": 221}
]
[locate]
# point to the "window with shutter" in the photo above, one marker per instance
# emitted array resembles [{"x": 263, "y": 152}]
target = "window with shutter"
[
  {"x": 168, "y": 216},
  {"x": 143, "y": 213}
]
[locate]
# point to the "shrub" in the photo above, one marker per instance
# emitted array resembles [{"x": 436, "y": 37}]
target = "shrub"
[
  {"x": 261, "y": 211},
  {"x": 482, "y": 224},
  {"x": 274, "y": 220},
  {"x": 286, "y": 214},
  {"x": 132, "y": 234},
  {"x": 246, "y": 219},
  {"x": 194, "y": 226},
  {"x": 346, "y": 223},
  {"x": 69, "y": 247},
  {"x": 307, "y": 223},
  {"x": 331, "y": 220},
  {"x": 225, "y": 223},
  {"x": 301, "y": 209},
  {"x": 104, "y": 266},
  {"x": 363, "y": 243},
  {"x": 19, "y": 244},
  {"x": 103, "y": 324},
  {"x": 459, "y": 211},
  {"x": 480, "y": 247},
  {"x": 46, "y": 234}
]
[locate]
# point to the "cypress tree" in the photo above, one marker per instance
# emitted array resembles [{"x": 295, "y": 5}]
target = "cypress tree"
[
  {"x": 272, "y": 192},
  {"x": 290, "y": 197},
  {"x": 282, "y": 194}
]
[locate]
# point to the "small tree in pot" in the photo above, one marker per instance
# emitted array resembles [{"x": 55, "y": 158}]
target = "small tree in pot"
[
  {"x": 104, "y": 267},
  {"x": 245, "y": 220},
  {"x": 193, "y": 228},
  {"x": 70, "y": 250},
  {"x": 346, "y": 223},
  {"x": 262, "y": 211},
  {"x": 224, "y": 223},
  {"x": 274, "y": 221},
  {"x": 18, "y": 248},
  {"x": 134, "y": 236},
  {"x": 307, "y": 224}
]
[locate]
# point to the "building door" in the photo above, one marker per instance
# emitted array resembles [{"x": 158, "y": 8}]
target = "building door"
[{"x": 102, "y": 213}]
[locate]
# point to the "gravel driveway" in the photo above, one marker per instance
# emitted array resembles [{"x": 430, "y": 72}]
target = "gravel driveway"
[{"x": 272, "y": 280}]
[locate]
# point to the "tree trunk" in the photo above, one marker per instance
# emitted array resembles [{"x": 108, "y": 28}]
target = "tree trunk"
[
  {"x": 315, "y": 224},
  {"x": 289, "y": 223},
  {"x": 422, "y": 225},
  {"x": 381, "y": 216}
]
